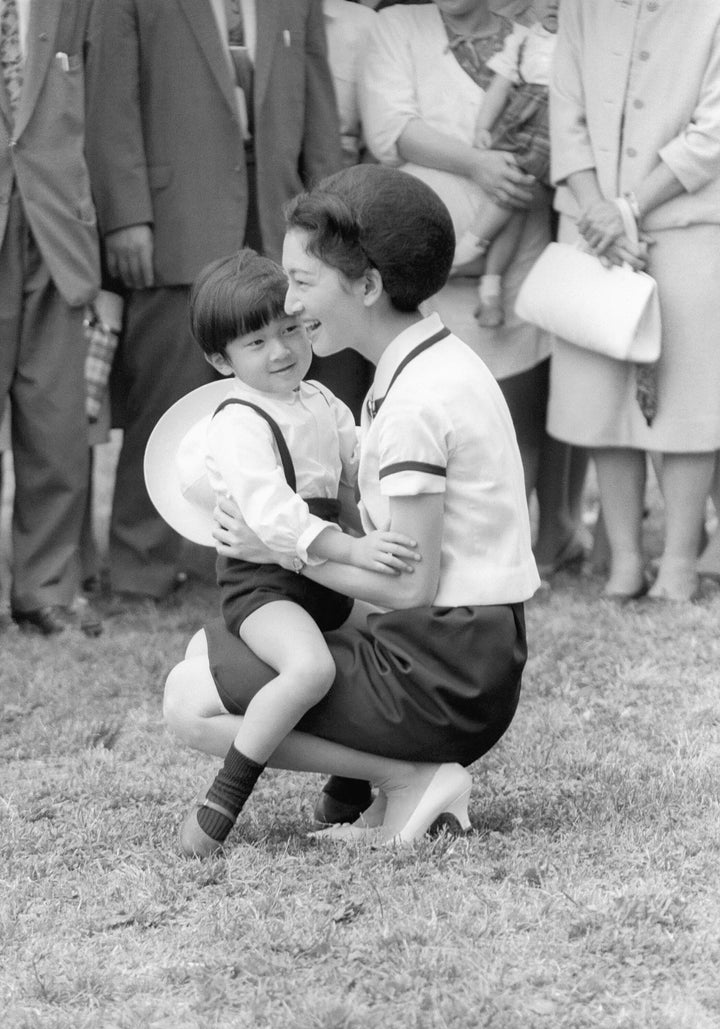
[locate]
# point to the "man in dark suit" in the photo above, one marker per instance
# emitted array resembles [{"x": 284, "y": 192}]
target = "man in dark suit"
[
  {"x": 190, "y": 161},
  {"x": 49, "y": 269}
]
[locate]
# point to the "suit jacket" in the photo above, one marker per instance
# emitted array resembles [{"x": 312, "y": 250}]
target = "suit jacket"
[
  {"x": 164, "y": 142},
  {"x": 610, "y": 108},
  {"x": 43, "y": 151}
]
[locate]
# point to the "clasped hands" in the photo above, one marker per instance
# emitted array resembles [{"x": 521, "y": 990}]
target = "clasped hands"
[{"x": 601, "y": 226}]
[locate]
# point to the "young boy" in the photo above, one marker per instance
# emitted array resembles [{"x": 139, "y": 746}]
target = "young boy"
[{"x": 279, "y": 446}]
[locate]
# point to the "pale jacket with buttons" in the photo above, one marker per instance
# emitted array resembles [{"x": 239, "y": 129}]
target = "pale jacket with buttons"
[{"x": 636, "y": 82}]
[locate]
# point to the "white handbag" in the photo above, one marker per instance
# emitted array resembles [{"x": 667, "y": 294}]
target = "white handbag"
[{"x": 612, "y": 310}]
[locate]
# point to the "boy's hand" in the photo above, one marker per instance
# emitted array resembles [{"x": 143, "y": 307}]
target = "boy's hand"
[
  {"x": 387, "y": 552},
  {"x": 483, "y": 139}
]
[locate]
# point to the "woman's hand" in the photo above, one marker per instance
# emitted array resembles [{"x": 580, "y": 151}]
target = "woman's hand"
[
  {"x": 623, "y": 251},
  {"x": 498, "y": 175},
  {"x": 229, "y": 529},
  {"x": 601, "y": 225}
]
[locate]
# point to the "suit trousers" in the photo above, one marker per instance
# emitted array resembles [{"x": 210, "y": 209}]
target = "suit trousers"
[
  {"x": 42, "y": 361},
  {"x": 157, "y": 362}
]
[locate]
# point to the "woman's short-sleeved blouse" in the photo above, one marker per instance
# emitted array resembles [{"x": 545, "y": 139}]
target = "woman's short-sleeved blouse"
[{"x": 445, "y": 428}]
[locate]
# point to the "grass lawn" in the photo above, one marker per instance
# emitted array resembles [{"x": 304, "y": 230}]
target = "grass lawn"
[{"x": 586, "y": 894}]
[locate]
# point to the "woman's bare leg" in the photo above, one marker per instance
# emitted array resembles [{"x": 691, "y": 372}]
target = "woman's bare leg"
[
  {"x": 709, "y": 562},
  {"x": 621, "y": 477},
  {"x": 686, "y": 482},
  {"x": 196, "y": 715}
]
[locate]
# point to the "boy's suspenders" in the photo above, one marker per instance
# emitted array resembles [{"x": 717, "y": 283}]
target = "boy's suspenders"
[
  {"x": 326, "y": 508},
  {"x": 287, "y": 462}
]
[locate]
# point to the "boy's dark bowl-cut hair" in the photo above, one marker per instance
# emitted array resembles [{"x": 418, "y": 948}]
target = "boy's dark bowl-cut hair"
[
  {"x": 384, "y": 218},
  {"x": 235, "y": 295}
]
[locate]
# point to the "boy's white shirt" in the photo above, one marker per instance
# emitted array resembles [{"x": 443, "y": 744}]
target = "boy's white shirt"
[
  {"x": 536, "y": 59},
  {"x": 243, "y": 462}
]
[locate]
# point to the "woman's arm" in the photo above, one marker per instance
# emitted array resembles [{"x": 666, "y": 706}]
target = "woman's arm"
[
  {"x": 396, "y": 131},
  {"x": 495, "y": 171},
  {"x": 418, "y": 517}
]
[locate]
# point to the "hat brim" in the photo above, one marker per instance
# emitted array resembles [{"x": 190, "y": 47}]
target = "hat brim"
[{"x": 162, "y": 477}]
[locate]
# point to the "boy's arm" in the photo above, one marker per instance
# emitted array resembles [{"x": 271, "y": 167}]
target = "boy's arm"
[
  {"x": 420, "y": 518},
  {"x": 242, "y": 458},
  {"x": 387, "y": 552}
]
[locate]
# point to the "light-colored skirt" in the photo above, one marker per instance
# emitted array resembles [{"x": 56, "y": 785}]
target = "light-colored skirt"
[
  {"x": 515, "y": 346},
  {"x": 592, "y": 398}
]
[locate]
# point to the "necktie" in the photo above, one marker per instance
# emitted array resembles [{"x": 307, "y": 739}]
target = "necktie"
[
  {"x": 11, "y": 57},
  {"x": 239, "y": 53},
  {"x": 646, "y": 390}
]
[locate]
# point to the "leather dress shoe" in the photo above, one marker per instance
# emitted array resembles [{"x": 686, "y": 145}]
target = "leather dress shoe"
[
  {"x": 47, "y": 620},
  {"x": 89, "y": 620}
]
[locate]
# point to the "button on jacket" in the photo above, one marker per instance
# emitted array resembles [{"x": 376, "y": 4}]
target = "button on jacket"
[{"x": 635, "y": 83}]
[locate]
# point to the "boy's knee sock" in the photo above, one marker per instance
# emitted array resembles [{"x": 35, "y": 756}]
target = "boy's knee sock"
[{"x": 231, "y": 788}]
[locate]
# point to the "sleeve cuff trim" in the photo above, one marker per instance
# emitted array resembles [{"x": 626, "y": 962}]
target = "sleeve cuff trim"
[{"x": 412, "y": 466}]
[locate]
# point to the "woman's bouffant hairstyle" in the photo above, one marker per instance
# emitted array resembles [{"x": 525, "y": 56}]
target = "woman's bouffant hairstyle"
[
  {"x": 372, "y": 216},
  {"x": 233, "y": 296}
]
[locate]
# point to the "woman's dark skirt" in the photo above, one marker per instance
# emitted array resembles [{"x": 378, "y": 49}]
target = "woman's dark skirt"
[{"x": 426, "y": 684}]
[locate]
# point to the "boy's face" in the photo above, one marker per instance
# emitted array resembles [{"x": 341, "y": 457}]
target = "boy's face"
[
  {"x": 547, "y": 11},
  {"x": 273, "y": 360}
]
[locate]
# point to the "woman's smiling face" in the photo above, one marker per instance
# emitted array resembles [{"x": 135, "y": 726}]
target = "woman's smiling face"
[{"x": 328, "y": 303}]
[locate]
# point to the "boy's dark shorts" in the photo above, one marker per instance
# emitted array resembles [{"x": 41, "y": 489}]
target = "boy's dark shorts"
[{"x": 244, "y": 587}]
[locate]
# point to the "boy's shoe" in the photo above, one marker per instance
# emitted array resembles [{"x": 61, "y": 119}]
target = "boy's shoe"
[
  {"x": 342, "y": 801},
  {"x": 470, "y": 248},
  {"x": 194, "y": 841},
  {"x": 489, "y": 312},
  {"x": 329, "y": 811}
]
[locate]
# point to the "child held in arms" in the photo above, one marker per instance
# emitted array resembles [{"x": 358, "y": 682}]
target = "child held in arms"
[
  {"x": 514, "y": 118},
  {"x": 279, "y": 446}
]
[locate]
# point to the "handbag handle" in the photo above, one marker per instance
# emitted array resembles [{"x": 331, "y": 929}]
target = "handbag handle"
[{"x": 628, "y": 219}]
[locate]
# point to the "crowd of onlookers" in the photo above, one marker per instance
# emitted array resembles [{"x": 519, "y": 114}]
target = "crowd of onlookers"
[{"x": 142, "y": 139}]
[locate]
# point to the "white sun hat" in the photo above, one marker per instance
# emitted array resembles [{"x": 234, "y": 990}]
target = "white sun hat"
[{"x": 175, "y": 473}]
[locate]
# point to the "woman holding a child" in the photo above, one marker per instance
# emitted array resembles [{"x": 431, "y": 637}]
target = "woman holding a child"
[
  {"x": 430, "y": 681},
  {"x": 427, "y": 70}
]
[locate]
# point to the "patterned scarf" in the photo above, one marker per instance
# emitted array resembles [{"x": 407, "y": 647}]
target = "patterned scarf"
[{"x": 474, "y": 50}]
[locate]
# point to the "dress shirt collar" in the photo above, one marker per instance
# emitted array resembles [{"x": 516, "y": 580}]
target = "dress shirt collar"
[
  {"x": 399, "y": 348},
  {"x": 262, "y": 399}
]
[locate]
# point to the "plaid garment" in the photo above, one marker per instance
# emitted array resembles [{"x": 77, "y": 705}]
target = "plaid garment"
[
  {"x": 523, "y": 130},
  {"x": 102, "y": 341}
]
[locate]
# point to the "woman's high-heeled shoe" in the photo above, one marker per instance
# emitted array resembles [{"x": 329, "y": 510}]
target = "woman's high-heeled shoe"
[{"x": 447, "y": 792}]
